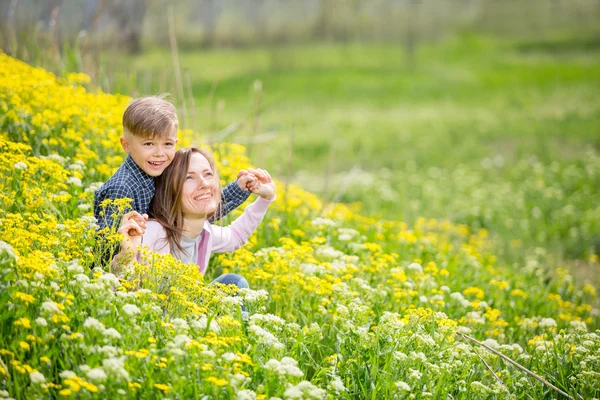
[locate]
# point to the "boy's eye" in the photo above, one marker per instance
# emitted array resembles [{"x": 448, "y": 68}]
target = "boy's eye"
[
  {"x": 169, "y": 144},
  {"x": 148, "y": 144}
]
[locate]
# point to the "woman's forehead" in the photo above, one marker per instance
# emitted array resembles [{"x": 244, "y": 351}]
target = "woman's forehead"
[{"x": 199, "y": 162}]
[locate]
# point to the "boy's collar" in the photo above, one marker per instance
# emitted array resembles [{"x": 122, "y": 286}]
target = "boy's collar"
[{"x": 136, "y": 168}]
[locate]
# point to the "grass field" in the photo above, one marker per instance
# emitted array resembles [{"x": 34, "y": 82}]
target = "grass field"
[
  {"x": 342, "y": 306},
  {"x": 495, "y": 134}
]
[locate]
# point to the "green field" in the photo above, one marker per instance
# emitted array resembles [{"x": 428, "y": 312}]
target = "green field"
[
  {"x": 342, "y": 305},
  {"x": 496, "y": 134}
]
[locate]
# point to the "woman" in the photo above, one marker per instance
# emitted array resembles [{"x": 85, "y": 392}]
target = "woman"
[{"x": 187, "y": 196}]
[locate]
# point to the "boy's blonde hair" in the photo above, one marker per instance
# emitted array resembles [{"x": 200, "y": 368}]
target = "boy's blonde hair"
[{"x": 150, "y": 116}]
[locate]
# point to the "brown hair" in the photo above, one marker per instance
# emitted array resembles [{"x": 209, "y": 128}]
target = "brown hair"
[
  {"x": 151, "y": 116},
  {"x": 166, "y": 204}
]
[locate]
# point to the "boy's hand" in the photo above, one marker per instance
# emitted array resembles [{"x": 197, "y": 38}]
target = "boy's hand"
[
  {"x": 245, "y": 180},
  {"x": 263, "y": 185},
  {"x": 132, "y": 228}
]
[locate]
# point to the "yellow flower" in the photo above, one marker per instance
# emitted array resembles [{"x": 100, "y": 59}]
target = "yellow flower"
[
  {"x": 24, "y": 322},
  {"x": 164, "y": 388},
  {"x": 216, "y": 381},
  {"x": 24, "y": 345},
  {"x": 27, "y": 298}
]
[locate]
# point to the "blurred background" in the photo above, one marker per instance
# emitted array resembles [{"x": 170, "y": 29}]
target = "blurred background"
[{"x": 482, "y": 112}]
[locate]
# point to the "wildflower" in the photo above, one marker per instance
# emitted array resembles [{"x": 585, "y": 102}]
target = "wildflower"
[
  {"x": 415, "y": 268},
  {"x": 337, "y": 385},
  {"x": 402, "y": 386},
  {"x": 112, "y": 334},
  {"x": 547, "y": 323},
  {"x": 246, "y": 394},
  {"x": 131, "y": 309},
  {"x": 180, "y": 324},
  {"x": 287, "y": 366},
  {"x": 94, "y": 325},
  {"x": 24, "y": 322},
  {"x": 50, "y": 307},
  {"x": 41, "y": 321},
  {"x": 97, "y": 375},
  {"x": 75, "y": 181},
  {"x": 20, "y": 166},
  {"x": 115, "y": 368},
  {"x": 304, "y": 390},
  {"x": 162, "y": 387},
  {"x": 37, "y": 377}
]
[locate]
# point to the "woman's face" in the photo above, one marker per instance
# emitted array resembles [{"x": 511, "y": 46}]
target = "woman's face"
[{"x": 199, "y": 197}]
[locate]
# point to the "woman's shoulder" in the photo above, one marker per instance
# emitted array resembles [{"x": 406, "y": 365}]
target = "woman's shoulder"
[
  {"x": 155, "y": 236},
  {"x": 154, "y": 229}
]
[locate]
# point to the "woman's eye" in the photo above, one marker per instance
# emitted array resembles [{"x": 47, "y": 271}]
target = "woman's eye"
[{"x": 189, "y": 177}]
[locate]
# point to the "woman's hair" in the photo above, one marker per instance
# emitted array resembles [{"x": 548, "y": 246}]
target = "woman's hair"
[{"x": 166, "y": 205}]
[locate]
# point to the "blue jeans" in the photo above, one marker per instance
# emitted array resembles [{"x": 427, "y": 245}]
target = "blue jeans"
[
  {"x": 237, "y": 280},
  {"x": 232, "y": 279}
]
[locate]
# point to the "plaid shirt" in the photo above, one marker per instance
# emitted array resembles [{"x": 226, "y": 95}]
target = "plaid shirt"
[{"x": 130, "y": 181}]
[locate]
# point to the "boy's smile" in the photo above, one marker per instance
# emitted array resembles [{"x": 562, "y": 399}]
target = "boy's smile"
[{"x": 152, "y": 154}]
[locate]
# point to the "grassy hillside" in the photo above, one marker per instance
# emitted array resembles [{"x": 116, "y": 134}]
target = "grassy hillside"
[{"x": 343, "y": 306}]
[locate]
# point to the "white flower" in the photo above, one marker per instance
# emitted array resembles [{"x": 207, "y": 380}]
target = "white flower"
[
  {"x": 114, "y": 368},
  {"x": 251, "y": 296},
  {"x": 229, "y": 356},
  {"x": 203, "y": 321},
  {"x": 112, "y": 333},
  {"x": 20, "y": 166},
  {"x": 304, "y": 390},
  {"x": 180, "y": 324},
  {"x": 110, "y": 280},
  {"x": 328, "y": 252},
  {"x": 415, "y": 267},
  {"x": 41, "y": 321},
  {"x": 75, "y": 181},
  {"x": 37, "y": 377},
  {"x": 403, "y": 386},
  {"x": 97, "y": 375},
  {"x": 337, "y": 385},
  {"x": 265, "y": 337},
  {"x": 131, "y": 309},
  {"x": 94, "y": 325},
  {"x": 287, "y": 366},
  {"x": 7, "y": 248},
  {"x": 80, "y": 279},
  {"x": 50, "y": 307},
  {"x": 323, "y": 222},
  {"x": 493, "y": 343},
  {"x": 84, "y": 207},
  {"x": 578, "y": 326},
  {"x": 66, "y": 374},
  {"x": 246, "y": 394},
  {"x": 547, "y": 323}
]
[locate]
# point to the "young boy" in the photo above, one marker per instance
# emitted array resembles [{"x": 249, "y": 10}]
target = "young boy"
[{"x": 149, "y": 137}]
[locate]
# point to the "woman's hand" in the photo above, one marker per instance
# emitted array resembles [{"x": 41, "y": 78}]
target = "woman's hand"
[{"x": 263, "y": 185}]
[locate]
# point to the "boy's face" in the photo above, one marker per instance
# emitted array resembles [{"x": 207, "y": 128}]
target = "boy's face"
[{"x": 153, "y": 154}]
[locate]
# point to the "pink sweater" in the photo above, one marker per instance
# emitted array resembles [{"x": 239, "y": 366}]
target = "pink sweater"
[{"x": 216, "y": 239}]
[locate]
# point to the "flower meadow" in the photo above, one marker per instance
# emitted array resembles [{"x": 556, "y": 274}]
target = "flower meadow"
[{"x": 342, "y": 305}]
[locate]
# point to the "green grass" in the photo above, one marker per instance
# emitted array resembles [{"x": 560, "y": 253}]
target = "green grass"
[{"x": 408, "y": 129}]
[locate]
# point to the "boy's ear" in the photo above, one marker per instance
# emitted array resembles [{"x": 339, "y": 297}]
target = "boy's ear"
[{"x": 124, "y": 144}]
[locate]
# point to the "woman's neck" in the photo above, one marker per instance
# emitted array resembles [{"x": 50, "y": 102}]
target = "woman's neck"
[{"x": 192, "y": 226}]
